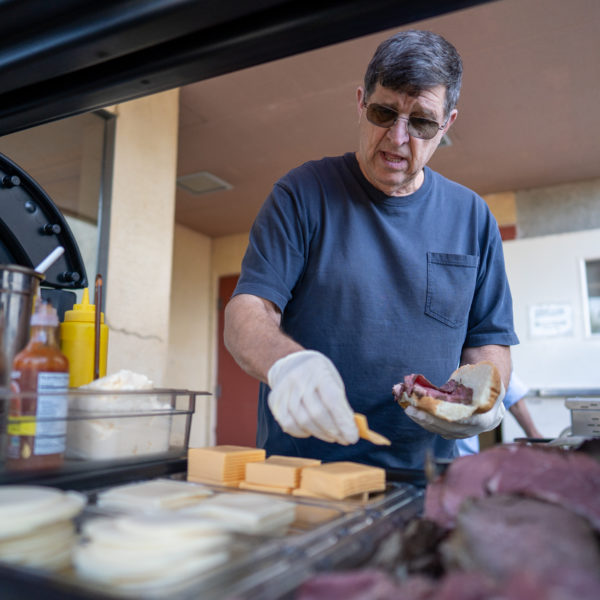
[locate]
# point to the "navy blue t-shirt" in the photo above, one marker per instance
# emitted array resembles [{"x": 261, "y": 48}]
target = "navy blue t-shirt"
[{"x": 384, "y": 286}]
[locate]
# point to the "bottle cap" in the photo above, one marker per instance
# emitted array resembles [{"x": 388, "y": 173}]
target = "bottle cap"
[
  {"x": 45, "y": 315},
  {"x": 84, "y": 311}
]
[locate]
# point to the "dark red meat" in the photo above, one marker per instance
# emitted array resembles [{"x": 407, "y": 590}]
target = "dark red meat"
[
  {"x": 570, "y": 479},
  {"x": 501, "y": 535},
  {"x": 451, "y": 391},
  {"x": 368, "y": 584}
]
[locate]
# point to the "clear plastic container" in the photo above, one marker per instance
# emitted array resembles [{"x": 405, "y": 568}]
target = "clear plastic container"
[{"x": 124, "y": 425}]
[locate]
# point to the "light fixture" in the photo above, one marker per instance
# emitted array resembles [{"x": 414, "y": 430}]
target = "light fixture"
[{"x": 202, "y": 182}]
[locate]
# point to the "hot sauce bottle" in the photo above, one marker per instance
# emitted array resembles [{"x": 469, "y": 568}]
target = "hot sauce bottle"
[{"x": 38, "y": 409}]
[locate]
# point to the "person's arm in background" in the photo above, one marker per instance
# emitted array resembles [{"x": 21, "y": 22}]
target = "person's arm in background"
[
  {"x": 521, "y": 413},
  {"x": 499, "y": 355}
]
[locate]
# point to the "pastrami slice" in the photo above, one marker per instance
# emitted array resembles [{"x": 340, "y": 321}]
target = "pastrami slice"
[{"x": 471, "y": 389}]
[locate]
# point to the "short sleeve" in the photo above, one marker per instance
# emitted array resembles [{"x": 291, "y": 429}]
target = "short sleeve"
[
  {"x": 491, "y": 314},
  {"x": 516, "y": 390},
  {"x": 275, "y": 256}
]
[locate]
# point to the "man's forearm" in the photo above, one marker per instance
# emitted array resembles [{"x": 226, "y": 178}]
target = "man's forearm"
[
  {"x": 499, "y": 355},
  {"x": 253, "y": 335},
  {"x": 522, "y": 415}
]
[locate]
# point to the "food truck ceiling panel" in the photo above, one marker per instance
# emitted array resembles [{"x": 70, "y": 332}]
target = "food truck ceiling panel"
[{"x": 61, "y": 59}]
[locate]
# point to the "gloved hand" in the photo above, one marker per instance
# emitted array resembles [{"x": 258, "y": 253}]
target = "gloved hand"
[
  {"x": 464, "y": 428},
  {"x": 308, "y": 398}
]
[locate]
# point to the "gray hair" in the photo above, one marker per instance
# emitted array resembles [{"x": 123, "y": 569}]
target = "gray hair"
[{"x": 413, "y": 61}]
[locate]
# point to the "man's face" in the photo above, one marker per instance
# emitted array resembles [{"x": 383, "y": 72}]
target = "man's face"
[{"x": 390, "y": 158}]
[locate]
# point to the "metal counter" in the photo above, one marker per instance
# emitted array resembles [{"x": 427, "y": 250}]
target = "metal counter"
[{"x": 325, "y": 535}]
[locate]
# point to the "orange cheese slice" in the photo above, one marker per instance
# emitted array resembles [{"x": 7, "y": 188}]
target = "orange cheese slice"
[
  {"x": 342, "y": 479},
  {"x": 367, "y": 434},
  {"x": 257, "y": 487},
  {"x": 225, "y": 465},
  {"x": 278, "y": 470}
]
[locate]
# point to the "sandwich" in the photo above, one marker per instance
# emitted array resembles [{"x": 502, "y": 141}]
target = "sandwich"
[{"x": 471, "y": 389}]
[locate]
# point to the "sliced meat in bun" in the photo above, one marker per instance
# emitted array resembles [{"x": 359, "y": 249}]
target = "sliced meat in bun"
[{"x": 471, "y": 389}]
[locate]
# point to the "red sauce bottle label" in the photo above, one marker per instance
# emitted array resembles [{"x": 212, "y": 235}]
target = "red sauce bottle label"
[
  {"x": 49, "y": 427},
  {"x": 37, "y": 420},
  {"x": 41, "y": 426}
]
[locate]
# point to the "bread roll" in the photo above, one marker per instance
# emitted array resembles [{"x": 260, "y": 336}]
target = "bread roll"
[{"x": 471, "y": 389}]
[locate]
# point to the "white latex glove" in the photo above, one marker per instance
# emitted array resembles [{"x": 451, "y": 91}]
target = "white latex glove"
[
  {"x": 464, "y": 428},
  {"x": 308, "y": 398}
]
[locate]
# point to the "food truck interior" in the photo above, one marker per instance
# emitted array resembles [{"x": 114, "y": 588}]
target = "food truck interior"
[{"x": 236, "y": 77}]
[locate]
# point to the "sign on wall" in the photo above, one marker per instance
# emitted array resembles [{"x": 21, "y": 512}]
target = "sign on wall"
[{"x": 550, "y": 320}]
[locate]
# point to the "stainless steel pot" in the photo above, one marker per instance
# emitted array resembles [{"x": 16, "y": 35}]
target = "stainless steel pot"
[{"x": 18, "y": 289}]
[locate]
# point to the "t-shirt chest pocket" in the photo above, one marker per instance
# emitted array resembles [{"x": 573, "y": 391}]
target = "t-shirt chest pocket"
[{"x": 450, "y": 286}]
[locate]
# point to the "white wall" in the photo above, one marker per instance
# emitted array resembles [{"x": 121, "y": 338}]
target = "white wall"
[{"x": 548, "y": 270}]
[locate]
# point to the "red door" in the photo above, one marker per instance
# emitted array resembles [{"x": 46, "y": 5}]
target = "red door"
[{"x": 237, "y": 392}]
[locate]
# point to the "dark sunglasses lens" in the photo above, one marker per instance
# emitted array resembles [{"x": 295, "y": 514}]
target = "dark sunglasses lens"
[
  {"x": 422, "y": 128},
  {"x": 382, "y": 116}
]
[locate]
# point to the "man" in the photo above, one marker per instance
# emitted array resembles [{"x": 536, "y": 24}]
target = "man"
[{"x": 366, "y": 267}]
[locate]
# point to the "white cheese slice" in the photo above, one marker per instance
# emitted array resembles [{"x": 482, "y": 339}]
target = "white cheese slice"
[
  {"x": 158, "y": 494},
  {"x": 246, "y": 512},
  {"x": 147, "y": 553},
  {"x": 24, "y": 508}
]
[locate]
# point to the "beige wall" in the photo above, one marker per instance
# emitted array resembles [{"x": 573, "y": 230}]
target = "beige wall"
[
  {"x": 162, "y": 280},
  {"x": 503, "y": 206},
  {"x": 138, "y": 281},
  {"x": 190, "y": 345},
  {"x": 198, "y": 263}
]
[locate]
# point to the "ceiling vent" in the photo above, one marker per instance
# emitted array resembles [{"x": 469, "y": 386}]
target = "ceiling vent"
[{"x": 202, "y": 182}]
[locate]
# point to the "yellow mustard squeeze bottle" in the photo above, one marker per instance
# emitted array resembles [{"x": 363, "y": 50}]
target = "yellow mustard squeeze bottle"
[{"x": 78, "y": 341}]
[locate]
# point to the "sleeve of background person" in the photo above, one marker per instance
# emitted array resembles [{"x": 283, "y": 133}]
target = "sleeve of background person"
[
  {"x": 515, "y": 391},
  {"x": 308, "y": 398},
  {"x": 514, "y": 401}
]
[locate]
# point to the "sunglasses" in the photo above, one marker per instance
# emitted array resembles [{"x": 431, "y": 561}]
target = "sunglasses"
[{"x": 419, "y": 127}]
